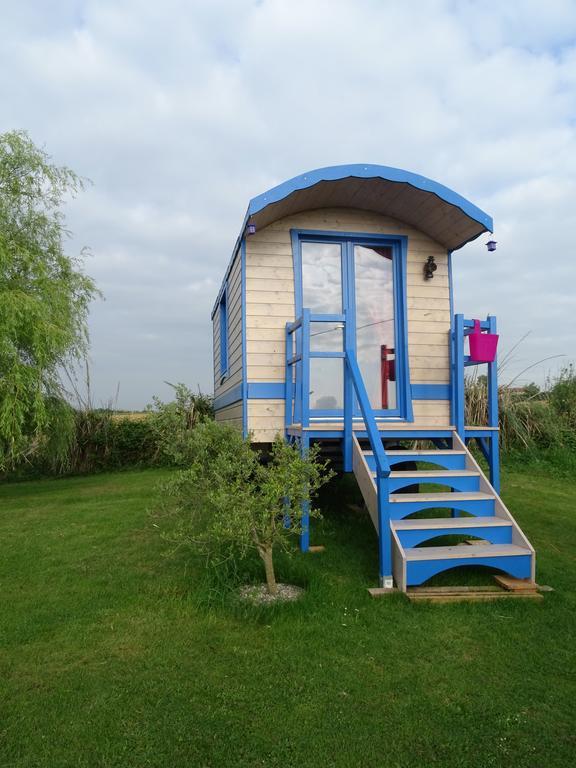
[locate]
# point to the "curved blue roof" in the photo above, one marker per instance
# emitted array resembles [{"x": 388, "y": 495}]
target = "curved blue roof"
[{"x": 361, "y": 171}]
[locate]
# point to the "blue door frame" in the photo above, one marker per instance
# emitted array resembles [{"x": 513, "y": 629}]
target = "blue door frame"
[{"x": 399, "y": 247}]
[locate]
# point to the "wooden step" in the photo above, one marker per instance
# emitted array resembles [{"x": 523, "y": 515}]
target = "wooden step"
[
  {"x": 471, "y": 551},
  {"x": 467, "y": 594},
  {"x": 428, "y": 452},
  {"x": 443, "y": 498},
  {"x": 434, "y": 523},
  {"x": 431, "y": 473},
  {"x": 491, "y": 530}
]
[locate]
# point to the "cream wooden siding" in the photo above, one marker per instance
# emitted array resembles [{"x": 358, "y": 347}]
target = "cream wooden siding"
[
  {"x": 234, "y": 306},
  {"x": 232, "y": 415},
  {"x": 270, "y": 304}
]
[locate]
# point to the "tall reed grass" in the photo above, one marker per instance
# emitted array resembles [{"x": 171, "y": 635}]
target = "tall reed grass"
[{"x": 530, "y": 418}]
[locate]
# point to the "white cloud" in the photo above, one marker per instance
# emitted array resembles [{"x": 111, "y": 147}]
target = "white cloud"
[{"x": 180, "y": 112}]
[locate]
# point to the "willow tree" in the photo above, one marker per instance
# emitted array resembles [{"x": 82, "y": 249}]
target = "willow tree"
[{"x": 44, "y": 297}]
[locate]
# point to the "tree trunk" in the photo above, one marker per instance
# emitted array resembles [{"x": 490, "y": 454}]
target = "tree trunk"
[{"x": 266, "y": 555}]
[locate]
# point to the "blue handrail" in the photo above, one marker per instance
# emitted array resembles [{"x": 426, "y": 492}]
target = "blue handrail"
[{"x": 382, "y": 464}]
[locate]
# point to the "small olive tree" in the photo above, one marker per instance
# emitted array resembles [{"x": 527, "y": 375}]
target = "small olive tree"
[{"x": 229, "y": 500}]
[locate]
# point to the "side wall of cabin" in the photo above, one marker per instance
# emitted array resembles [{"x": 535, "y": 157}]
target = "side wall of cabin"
[
  {"x": 270, "y": 305},
  {"x": 228, "y": 384}
]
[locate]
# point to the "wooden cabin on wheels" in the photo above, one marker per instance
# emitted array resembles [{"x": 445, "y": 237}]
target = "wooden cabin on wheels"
[{"x": 335, "y": 322}]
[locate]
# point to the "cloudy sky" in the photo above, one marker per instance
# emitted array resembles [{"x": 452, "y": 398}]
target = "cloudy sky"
[{"x": 180, "y": 111}]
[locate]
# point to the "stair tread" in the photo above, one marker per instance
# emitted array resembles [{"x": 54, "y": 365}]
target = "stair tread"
[
  {"x": 468, "y": 551},
  {"x": 420, "y": 452},
  {"x": 399, "y": 498},
  {"x": 435, "y": 473},
  {"x": 448, "y": 522}
]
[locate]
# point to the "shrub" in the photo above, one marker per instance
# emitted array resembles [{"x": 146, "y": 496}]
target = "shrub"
[
  {"x": 229, "y": 502},
  {"x": 562, "y": 396},
  {"x": 173, "y": 423}
]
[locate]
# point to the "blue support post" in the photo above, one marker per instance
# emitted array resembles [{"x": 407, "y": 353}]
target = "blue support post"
[
  {"x": 305, "y": 535},
  {"x": 384, "y": 534},
  {"x": 288, "y": 384},
  {"x": 348, "y": 401},
  {"x": 305, "y": 368},
  {"x": 459, "y": 394},
  {"x": 493, "y": 414}
]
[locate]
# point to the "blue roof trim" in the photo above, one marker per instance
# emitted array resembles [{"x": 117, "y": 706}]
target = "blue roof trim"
[{"x": 361, "y": 171}]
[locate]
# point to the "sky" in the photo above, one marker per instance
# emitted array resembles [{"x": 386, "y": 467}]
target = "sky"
[{"x": 180, "y": 111}]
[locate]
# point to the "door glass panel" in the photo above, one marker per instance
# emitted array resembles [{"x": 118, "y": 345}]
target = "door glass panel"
[
  {"x": 326, "y": 383},
  {"x": 375, "y": 342},
  {"x": 326, "y": 337},
  {"x": 322, "y": 277}
]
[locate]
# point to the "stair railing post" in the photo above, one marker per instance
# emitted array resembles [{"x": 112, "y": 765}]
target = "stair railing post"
[
  {"x": 348, "y": 399},
  {"x": 305, "y": 368},
  {"x": 493, "y": 421},
  {"x": 459, "y": 394},
  {"x": 289, "y": 380}
]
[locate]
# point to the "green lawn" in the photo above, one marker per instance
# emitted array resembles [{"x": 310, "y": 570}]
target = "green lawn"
[{"x": 113, "y": 655}]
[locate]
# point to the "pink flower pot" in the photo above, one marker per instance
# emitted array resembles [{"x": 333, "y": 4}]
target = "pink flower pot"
[{"x": 482, "y": 345}]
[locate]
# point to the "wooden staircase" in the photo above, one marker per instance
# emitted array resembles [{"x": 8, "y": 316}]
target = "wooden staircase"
[{"x": 466, "y": 506}]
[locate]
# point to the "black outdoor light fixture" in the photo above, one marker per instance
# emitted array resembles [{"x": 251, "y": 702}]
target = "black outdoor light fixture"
[
  {"x": 251, "y": 229},
  {"x": 491, "y": 245},
  {"x": 430, "y": 267}
]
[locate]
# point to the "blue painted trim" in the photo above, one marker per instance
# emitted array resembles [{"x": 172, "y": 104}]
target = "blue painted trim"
[
  {"x": 223, "y": 327},
  {"x": 466, "y": 483},
  {"x": 361, "y": 171},
  {"x": 493, "y": 414},
  {"x": 233, "y": 395},
  {"x": 458, "y": 389},
  {"x": 497, "y": 534},
  {"x": 244, "y": 341},
  {"x": 288, "y": 377},
  {"x": 401, "y": 321},
  {"x": 305, "y": 522},
  {"x": 476, "y": 507},
  {"x": 418, "y": 571},
  {"x": 305, "y": 363},
  {"x": 264, "y": 390},
  {"x": 431, "y": 391},
  {"x": 478, "y": 432}
]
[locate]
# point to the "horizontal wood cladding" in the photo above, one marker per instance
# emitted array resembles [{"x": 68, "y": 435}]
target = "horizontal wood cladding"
[
  {"x": 231, "y": 415},
  {"x": 432, "y": 412},
  {"x": 265, "y": 435},
  {"x": 234, "y": 308}
]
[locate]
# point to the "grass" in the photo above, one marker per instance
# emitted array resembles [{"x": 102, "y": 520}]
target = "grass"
[{"x": 113, "y": 655}]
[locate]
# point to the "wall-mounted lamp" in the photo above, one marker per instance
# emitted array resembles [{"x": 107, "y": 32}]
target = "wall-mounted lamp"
[
  {"x": 251, "y": 229},
  {"x": 430, "y": 267},
  {"x": 491, "y": 245}
]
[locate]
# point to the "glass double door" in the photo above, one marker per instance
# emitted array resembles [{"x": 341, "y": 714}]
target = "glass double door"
[{"x": 355, "y": 277}]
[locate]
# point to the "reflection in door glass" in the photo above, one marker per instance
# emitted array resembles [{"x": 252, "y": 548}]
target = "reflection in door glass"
[
  {"x": 322, "y": 295},
  {"x": 326, "y": 383},
  {"x": 322, "y": 278},
  {"x": 375, "y": 342}
]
